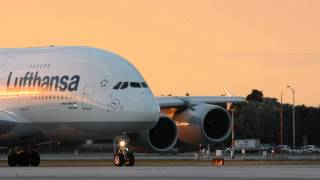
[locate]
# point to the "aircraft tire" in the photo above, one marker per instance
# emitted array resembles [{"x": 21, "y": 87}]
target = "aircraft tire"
[
  {"x": 130, "y": 160},
  {"x": 23, "y": 159},
  {"x": 118, "y": 159},
  {"x": 34, "y": 159},
  {"x": 12, "y": 159}
]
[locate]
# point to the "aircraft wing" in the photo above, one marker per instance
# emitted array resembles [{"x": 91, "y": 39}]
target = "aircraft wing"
[
  {"x": 7, "y": 121},
  {"x": 176, "y": 101}
]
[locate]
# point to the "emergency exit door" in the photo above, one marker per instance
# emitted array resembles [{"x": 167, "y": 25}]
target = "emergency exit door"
[{"x": 87, "y": 97}]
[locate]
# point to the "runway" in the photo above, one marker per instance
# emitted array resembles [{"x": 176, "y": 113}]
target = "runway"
[
  {"x": 162, "y": 172},
  {"x": 59, "y": 166}
]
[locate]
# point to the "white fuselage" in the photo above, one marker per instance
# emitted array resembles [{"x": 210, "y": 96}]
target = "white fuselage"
[{"x": 70, "y": 93}]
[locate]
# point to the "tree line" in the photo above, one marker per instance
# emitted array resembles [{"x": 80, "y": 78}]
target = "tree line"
[{"x": 259, "y": 118}]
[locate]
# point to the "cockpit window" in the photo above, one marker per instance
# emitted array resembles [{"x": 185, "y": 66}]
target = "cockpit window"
[
  {"x": 144, "y": 85},
  {"x": 117, "y": 86},
  {"x": 135, "y": 85},
  {"x": 124, "y": 85}
]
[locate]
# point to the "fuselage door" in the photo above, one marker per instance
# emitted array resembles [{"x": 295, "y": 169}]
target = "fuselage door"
[
  {"x": 24, "y": 102},
  {"x": 87, "y": 97},
  {"x": 23, "y": 93}
]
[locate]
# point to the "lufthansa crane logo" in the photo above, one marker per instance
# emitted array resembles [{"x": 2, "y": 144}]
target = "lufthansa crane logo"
[{"x": 115, "y": 103}]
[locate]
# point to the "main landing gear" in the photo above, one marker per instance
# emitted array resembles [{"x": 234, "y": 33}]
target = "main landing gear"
[
  {"x": 23, "y": 157},
  {"x": 123, "y": 156}
]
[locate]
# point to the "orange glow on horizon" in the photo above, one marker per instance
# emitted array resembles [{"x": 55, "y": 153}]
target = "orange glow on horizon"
[{"x": 195, "y": 47}]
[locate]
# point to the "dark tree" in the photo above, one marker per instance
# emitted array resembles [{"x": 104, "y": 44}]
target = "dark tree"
[{"x": 255, "y": 96}]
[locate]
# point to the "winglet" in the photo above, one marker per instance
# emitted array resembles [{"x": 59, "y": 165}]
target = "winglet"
[
  {"x": 229, "y": 104},
  {"x": 227, "y": 92}
]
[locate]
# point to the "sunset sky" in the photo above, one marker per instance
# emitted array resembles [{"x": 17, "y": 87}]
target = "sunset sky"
[{"x": 180, "y": 46}]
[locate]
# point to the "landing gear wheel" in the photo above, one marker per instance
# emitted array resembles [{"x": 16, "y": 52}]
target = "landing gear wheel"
[
  {"x": 23, "y": 159},
  {"x": 129, "y": 161},
  {"x": 118, "y": 159},
  {"x": 12, "y": 159},
  {"x": 34, "y": 159},
  {"x": 22, "y": 156}
]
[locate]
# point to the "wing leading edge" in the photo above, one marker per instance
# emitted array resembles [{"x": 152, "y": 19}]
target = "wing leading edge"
[{"x": 176, "y": 101}]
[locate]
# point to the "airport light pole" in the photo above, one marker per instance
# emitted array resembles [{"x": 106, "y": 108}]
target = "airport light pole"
[
  {"x": 281, "y": 120},
  {"x": 293, "y": 118}
]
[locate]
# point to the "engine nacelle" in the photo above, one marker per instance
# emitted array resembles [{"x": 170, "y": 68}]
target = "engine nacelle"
[
  {"x": 161, "y": 138},
  {"x": 203, "y": 124}
]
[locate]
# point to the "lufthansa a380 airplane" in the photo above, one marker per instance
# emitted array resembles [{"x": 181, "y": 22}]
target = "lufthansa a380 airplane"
[{"x": 64, "y": 94}]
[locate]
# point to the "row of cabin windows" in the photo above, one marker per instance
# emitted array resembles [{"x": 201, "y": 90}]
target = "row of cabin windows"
[
  {"x": 39, "y": 66},
  {"x": 49, "y": 97},
  {"x": 124, "y": 85}
]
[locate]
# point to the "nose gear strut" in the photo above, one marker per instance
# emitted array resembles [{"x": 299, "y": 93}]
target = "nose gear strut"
[{"x": 122, "y": 155}]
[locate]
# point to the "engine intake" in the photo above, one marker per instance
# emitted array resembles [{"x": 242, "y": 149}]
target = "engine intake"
[
  {"x": 203, "y": 124},
  {"x": 164, "y": 135},
  {"x": 161, "y": 138},
  {"x": 216, "y": 124}
]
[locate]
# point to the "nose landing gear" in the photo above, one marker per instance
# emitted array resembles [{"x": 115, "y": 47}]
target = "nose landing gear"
[{"x": 123, "y": 156}]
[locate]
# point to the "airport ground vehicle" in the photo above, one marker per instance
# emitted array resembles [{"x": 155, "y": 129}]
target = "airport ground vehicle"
[
  {"x": 304, "y": 149},
  {"x": 267, "y": 147},
  {"x": 295, "y": 151},
  {"x": 247, "y": 144},
  {"x": 250, "y": 145},
  {"x": 311, "y": 149},
  {"x": 282, "y": 149}
]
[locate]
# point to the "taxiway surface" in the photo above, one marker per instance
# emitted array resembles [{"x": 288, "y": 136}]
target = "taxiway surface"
[{"x": 162, "y": 172}]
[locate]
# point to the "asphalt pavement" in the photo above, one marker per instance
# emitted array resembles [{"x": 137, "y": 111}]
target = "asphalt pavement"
[{"x": 162, "y": 172}]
